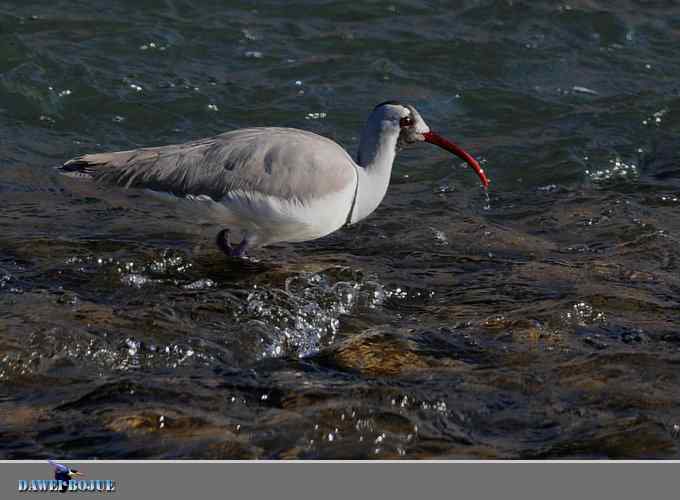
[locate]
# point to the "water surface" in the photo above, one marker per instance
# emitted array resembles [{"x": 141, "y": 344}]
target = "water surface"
[{"x": 541, "y": 322}]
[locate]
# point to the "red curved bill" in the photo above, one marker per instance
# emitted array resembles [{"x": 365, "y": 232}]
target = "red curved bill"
[{"x": 438, "y": 140}]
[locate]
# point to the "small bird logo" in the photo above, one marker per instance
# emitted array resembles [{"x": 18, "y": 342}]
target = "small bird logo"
[{"x": 63, "y": 473}]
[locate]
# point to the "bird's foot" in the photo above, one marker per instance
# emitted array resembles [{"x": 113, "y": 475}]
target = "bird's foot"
[{"x": 229, "y": 249}]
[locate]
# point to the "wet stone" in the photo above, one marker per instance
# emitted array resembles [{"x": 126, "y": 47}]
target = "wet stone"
[
  {"x": 538, "y": 319},
  {"x": 387, "y": 353}
]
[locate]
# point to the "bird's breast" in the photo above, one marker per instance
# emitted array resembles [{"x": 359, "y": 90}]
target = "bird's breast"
[{"x": 276, "y": 219}]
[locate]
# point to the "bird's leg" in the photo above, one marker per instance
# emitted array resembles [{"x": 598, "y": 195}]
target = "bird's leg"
[{"x": 230, "y": 250}]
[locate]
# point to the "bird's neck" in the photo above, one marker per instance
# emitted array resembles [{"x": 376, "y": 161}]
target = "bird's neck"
[{"x": 377, "y": 150}]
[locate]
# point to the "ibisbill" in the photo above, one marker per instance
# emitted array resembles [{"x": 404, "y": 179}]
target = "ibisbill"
[{"x": 271, "y": 184}]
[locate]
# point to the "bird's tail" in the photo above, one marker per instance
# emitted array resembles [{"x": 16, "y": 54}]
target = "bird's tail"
[{"x": 87, "y": 166}]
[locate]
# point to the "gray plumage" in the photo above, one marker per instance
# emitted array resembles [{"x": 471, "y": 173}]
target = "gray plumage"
[
  {"x": 252, "y": 160},
  {"x": 272, "y": 184}
]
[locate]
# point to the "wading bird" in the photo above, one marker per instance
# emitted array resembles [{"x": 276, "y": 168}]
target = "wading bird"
[{"x": 273, "y": 184}]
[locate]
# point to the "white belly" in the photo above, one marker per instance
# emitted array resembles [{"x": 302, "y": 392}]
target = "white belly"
[{"x": 268, "y": 219}]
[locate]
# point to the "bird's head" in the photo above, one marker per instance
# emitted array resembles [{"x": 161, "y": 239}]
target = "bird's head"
[
  {"x": 74, "y": 473},
  {"x": 404, "y": 119}
]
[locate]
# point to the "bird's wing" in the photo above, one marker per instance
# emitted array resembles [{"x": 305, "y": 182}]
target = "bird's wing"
[
  {"x": 283, "y": 162},
  {"x": 58, "y": 467}
]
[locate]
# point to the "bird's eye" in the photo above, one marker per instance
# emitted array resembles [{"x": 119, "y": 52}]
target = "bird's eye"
[{"x": 406, "y": 121}]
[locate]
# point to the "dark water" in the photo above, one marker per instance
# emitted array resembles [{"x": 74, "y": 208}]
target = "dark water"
[{"x": 541, "y": 323}]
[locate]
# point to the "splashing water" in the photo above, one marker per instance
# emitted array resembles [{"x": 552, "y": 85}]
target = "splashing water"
[
  {"x": 487, "y": 200},
  {"x": 618, "y": 170},
  {"x": 305, "y": 314}
]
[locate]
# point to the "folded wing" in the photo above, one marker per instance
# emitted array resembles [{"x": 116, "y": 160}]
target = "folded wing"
[{"x": 282, "y": 162}]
